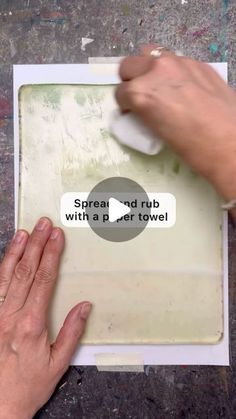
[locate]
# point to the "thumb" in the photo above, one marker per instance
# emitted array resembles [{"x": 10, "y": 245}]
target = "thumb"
[{"x": 67, "y": 340}]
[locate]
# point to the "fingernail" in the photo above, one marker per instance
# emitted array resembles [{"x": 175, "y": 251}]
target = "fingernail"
[
  {"x": 42, "y": 224},
  {"x": 85, "y": 311},
  {"x": 55, "y": 234},
  {"x": 19, "y": 237}
]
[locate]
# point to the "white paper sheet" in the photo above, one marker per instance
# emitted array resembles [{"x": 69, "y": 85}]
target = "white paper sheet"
[{"x": 151, "y": 354}]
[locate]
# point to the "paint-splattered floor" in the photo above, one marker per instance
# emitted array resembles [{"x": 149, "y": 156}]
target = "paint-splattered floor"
[{"x": 56, "y": 31}]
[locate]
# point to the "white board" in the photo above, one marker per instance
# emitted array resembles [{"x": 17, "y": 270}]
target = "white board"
[{"x": 155, "y": 354}]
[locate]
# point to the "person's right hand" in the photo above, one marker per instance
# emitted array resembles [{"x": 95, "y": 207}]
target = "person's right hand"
[{"x": 189, "y": 106}]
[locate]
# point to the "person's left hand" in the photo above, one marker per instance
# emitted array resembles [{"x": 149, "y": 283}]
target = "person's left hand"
[{"x": 30, "y": 367}]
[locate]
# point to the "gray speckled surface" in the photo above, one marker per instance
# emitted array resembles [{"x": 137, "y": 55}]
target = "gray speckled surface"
[{"x": 50, "y": 32}]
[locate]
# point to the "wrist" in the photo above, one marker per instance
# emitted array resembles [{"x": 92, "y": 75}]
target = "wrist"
[
  {"x": 7, "y": 412},
  {"x": 223, "y": 160},
  {"x": 224, "y": 180},
  {"x": 224, "y": 177}
]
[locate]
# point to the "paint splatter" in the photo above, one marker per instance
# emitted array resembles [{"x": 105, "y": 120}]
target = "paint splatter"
[
  {"x": 5, "y": 108},
  {"x": 86, "y": 41},
  {"x": 125, "y": 9},
  {"x": 3, "y": 123},
  {"x": 54, "y": 17},
  {"x": 131, "y": 45},
  {"x": 224, "y": 41},
  {"x": 52, "y": 97},
  {"x": 213, "y": 48},
  {"x": 183, "y": 29},
  {"x": 199, "y": 33}
]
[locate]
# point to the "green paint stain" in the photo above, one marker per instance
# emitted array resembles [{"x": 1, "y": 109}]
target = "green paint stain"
[
  {"x": 193, "y": 174},
  {"x": 97, "y": 93},
  {"x": 176, "y": 167},
  {"x": 92, "y": 170},
  {"x": 80, "y": 98},
  {"x": 125, "y": 9},
  {"x": 94, "y": 95},
  {"x": 30, "y": 109},
  {"x": 105, "y": 134},
  {"x": 46, "y": 119},
  {"x": 50, "y": 94},
  {"x": 226, "y": 3},
  {"x": 53, "y": 97},
  {"x": 213, "y": 48}
]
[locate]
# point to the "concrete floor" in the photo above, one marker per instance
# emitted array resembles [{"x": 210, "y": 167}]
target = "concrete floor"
[{"x": 50, "y": 32}]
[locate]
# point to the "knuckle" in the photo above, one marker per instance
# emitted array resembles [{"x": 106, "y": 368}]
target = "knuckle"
[
  {"x": 5, "y": 326},
  {"x": 135, "y": 85},
  {"x": 205, "y": 67},
  {"x": 138, "y": 97},
  {"x": 140, "y": 101},
  {"x": 123, "y": 66},
  {"x": 36, "y": 242},
  {"x": 167, "y": 63},
  {"x": 124, "y": 63},
  {"x": 22, "y": 271},
  {"x": 4, "y": 279},
  {"x": 26, "y": 326},
  {"x": 29, "y": 325},
  {"x": 44, "y": 276},
  {"x": 119, "y": 93},
  {"x": 195, "y": 64},
  {"x": 12, "y": 252},
  {"x": 190, "y": 61}
]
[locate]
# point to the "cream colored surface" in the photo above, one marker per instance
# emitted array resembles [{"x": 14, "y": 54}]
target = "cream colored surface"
[
  {"x": 165, "y": 286},
  {"x": 119, "y": 362}
]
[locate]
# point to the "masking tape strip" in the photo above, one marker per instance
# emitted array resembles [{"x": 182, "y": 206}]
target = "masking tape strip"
[
  {"x": 119, "y": 362},
  {"x": 117, "y": 60},
  {"x": 105, "y": 60},
  {"x": 104, "y": 70},
  {"x": 101, "y": 70},
  {"x": 113, "y": 61}
]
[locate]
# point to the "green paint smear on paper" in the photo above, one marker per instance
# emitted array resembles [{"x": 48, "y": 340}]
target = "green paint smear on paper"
[
  {"x": 51, "y": 94},
  {"x": 80, "y": 98},
  {"x": 105, "y": 134},
  {"x": 176, "y": 167},
  {"x": 52, "y": 97},
  {"x": 96, "y": 94}
]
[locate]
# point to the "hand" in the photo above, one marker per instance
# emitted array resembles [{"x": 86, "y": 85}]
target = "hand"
[
  {"x": 190, "y": 107},
  {"x": 30, "y": 367}
]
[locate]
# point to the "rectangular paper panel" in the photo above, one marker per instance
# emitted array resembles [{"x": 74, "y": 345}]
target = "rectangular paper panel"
[
  {"x": 171, "y": 353},
  {"x": 163, "y": 287}
]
